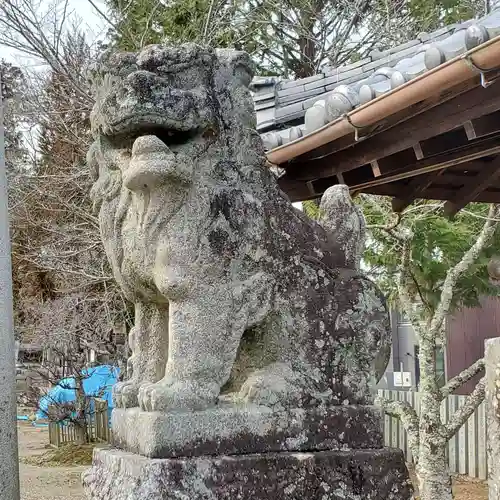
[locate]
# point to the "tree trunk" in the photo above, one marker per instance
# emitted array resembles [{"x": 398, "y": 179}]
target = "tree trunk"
[
  {"x": 81, "y": 413},
  {"x": 432, "y": 471}
]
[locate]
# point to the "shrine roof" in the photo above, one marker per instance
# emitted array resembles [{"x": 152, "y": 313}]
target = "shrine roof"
[{"x": 346, "y": 124}]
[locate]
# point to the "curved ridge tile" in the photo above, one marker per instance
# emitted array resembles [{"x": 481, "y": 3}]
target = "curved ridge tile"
[
  {"x": 342, "y": 100},
  {"x": 271, "y": 140},
  {"x": 315, "y": 117},
  {"x": 447, "y": 49}
]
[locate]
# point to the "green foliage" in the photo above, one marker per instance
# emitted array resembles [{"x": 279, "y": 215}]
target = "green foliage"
[
  {"x": 432, "y": 14},
  {"x": 292, "y": 38},
  {"x": 311, "y": 209},
  {"x": 437, "y": 245},
  {"x": 145, "y": 22}
]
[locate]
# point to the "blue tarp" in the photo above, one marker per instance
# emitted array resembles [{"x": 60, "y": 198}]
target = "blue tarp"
[{"x": 97, "y": 381}]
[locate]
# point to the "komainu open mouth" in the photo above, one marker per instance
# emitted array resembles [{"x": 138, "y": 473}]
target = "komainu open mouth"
[{"x": 172, "y": 138}]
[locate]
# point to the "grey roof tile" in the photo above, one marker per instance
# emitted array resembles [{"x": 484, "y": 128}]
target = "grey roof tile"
[
  {"x": 492, "y": 23},
  {"x": 376, "y": 54},
  {"x": 355, "y": 65},
  {"x": 412, "y": 67},
  {"x": 265, "y": 118},
  {"x": 290, "y": 91},
  {"x": 312, "y": 100},
  {"x": 302, "y": 81},
  {"x": 279, "y": 102},
  {"x": 263, "y": 97},
  {"x": 445, "y": 30},
  {"x": 264, "y": 105},
  {"x": 342, "y": 75},
  {"x": 393, "y": 59},
  {"x": 290, "y": 117},
  {"x": 300, "y": 97},
  {"x": 288, "y": 110},
  {"x": 348, "y": 81},
  {"x": 344, "y": 78}
]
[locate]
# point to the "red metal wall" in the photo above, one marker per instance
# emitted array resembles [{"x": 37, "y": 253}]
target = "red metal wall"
[{"x": 466, "y": 332}]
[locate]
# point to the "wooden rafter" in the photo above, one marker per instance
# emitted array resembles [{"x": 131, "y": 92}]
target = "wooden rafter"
[
  {"x": 468, "y": 156},
  {"x": 488, "y": 174},
  {"x": 479, "y": 149},
  {"x": 415, "y": 189},
  {"x": 434, "y": 193}
]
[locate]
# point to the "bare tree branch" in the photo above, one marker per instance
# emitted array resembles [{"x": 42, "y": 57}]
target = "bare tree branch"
[
  {"x": 463, "y": 377},
  {"x": 463, "y": 414},
  {"x": 409, "y": 418}
]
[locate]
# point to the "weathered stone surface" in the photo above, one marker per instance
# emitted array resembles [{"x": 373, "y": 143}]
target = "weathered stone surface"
[
  {"x": 330, "y": 475},
  {"x": 492, "y": 359},
  {"x": 255, "y": 330},
  {"x": 235, "y": 290},
  {"x": 243, "y": 429}
]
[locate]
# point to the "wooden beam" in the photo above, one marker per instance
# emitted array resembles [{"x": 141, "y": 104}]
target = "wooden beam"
[
  {"x": 434, "y": 193},
  {"x": 479, "y": 149},
  {"x": 487, "y": 124},
  {"x": 437, "y": 120},
  {"x": 414, "y": 190},
  {"x": 417, "y": 186},
  {"x": 489, "y": 173},
  {"x": 469, "y": 130},
  {"x": 466, "y": 155},
  {"x": 417, "y": 149},
  {"x": 445, "y": 142},
  {"x": 397, "y": 160}
]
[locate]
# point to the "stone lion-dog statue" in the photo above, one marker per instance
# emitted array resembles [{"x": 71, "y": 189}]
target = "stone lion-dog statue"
[{"x": 236, "y": 292}]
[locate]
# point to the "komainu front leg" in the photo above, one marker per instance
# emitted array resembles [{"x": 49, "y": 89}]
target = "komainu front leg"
[
  {"x": 148, "y": 340},
  {"x": 204, "y": 335}
]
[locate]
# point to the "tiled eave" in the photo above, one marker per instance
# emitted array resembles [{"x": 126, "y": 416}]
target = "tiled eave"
[{"x": 290, "y": 112}]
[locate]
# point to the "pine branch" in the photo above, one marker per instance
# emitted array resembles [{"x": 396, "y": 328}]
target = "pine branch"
[
  {"x": 454, "y": 274},
  {"x": 462, "y": 378},
  {"x": 463, "y": 414}
]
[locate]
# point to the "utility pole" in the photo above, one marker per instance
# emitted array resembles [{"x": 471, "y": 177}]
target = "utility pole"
[{"x": 9, "y": 465}]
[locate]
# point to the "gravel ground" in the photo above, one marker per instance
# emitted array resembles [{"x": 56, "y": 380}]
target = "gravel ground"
[{"x": 45, "y": 483}]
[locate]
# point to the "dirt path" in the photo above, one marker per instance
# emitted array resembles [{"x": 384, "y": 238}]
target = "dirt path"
[{"x": 45, "y": 483}]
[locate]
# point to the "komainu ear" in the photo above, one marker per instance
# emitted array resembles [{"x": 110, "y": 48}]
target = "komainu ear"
[{"x": 238, "y": 65}]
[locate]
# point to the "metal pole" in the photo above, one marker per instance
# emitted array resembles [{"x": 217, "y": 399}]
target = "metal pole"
[{"x": 9, "y": 465}]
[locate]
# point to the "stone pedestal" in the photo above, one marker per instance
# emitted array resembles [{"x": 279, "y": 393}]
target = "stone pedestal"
[
  {"x": 322, "y": 475},
  {"x": 230, "y": 429},
  {"x": 249, "y": 452}
]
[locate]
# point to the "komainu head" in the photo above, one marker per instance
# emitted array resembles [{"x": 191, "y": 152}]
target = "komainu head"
[
  {"x": 171, "y": 91},
  {"x": 166, "y": 120}
]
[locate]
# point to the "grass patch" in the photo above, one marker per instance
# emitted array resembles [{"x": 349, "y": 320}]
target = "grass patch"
[{"x": 67, "y": 455}]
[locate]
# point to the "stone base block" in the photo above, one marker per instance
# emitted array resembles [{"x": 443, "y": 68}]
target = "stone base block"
[
  {"x": 230, "y": 429},
  {"x": 324, "y": 475}
]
